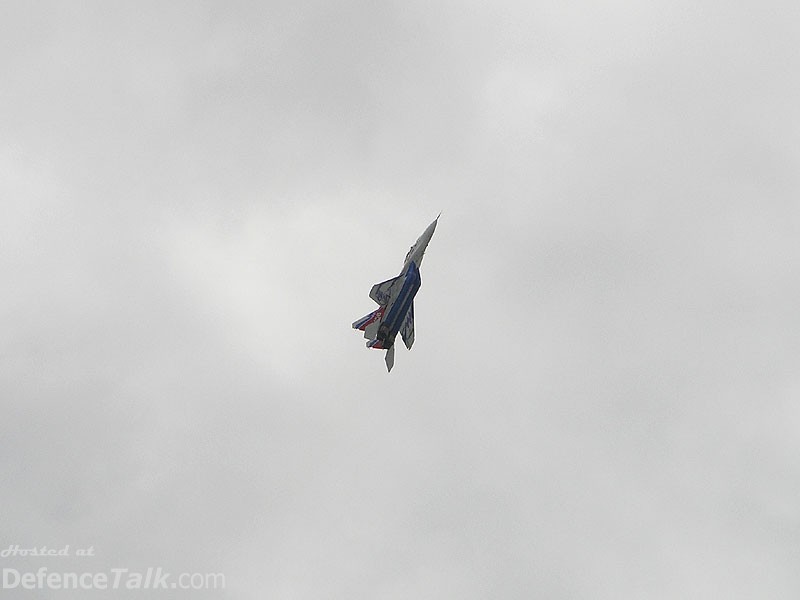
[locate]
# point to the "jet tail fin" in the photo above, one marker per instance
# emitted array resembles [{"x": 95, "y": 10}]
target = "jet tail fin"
[
  {"x": 407, "y": 328},
  {"x": 369, "y": 323},
  {"x": 390, "y": 358}
]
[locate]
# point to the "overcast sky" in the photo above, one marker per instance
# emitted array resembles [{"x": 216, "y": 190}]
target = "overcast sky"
[{"x": 602, "y": 400}]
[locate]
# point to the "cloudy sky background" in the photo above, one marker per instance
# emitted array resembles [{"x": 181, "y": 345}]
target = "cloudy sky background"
[{"x": 602, "y": 401}]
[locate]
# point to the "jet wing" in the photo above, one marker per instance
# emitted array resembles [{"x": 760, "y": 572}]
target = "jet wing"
[
  {"x": 407, "y": 328},
  {"x": 382, "y": 292}
]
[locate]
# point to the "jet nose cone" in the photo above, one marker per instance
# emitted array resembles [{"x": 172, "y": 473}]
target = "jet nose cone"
[
  {"x": 432, "y": 227},
  {"x": 428, "y": 234}
]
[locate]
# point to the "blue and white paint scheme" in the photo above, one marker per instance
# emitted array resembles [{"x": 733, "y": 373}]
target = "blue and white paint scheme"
[{"x": 395, "y": 298}]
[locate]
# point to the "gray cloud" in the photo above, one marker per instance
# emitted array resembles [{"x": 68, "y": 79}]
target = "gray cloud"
[{"x": 600, "y": 401}]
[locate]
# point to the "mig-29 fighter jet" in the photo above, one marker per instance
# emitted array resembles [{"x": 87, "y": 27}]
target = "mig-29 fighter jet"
[{"x": 396, "y": 303}]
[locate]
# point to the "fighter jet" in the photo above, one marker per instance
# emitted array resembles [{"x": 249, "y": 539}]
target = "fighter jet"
[{"x": 395, "y": 297}]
